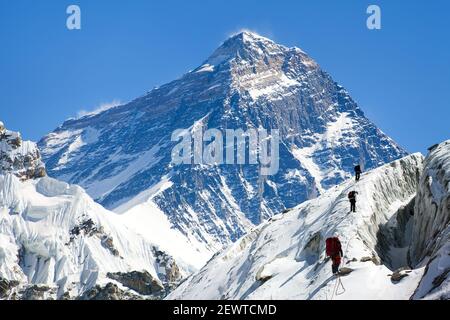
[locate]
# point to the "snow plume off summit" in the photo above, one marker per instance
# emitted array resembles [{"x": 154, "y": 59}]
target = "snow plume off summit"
[{"x": 122, "y": 156}]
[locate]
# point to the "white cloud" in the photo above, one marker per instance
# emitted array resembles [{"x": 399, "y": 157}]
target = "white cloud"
[
  {"x": 102, "y": 107},
  {"x": 267, "y": 34}
]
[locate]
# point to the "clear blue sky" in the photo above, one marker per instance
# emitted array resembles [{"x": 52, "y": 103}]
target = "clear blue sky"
[{"x": 399, "y": 75}]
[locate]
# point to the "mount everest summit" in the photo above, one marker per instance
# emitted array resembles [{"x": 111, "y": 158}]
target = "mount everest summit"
[
  {"x": 122, "y": 156},
  {"x": 123, "y": 222}
]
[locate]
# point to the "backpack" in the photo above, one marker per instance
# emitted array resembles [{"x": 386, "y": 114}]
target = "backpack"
[
  {"x": 333, "y": 246},
  {"x": 352, "y": 195}
]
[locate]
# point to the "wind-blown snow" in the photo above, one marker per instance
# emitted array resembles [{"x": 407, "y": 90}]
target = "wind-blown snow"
[{"x": 205, "y": 68}]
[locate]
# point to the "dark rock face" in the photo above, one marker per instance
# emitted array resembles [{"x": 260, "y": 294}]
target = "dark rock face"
[
  {"x": 35, "y": 292},
  {"x": 345, "y": 271},
  {"x": 107, "y": 242},
  {"x": 171, "y": 276},
  {"x": 141, "y": 282},
  {"x": 89, "y": 229},
  {"x": 248, "y": 82},
  {"x": 22, "y": 158},
  {"x": 399, "y": 274},
  {"x": 109, "y": 292},
  {"x": 6, "y": 286}
]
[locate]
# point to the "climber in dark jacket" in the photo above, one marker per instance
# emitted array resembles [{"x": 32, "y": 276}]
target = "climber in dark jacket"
[
  {"x": 358, "y": 172},
  {"x": 352, "y": 199}
]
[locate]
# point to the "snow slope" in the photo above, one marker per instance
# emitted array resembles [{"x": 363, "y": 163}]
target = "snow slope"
[
  {"x": 284, "y": 257},
  {"x": 121, "y": 155},
  {"x": 54, "y": 234}
]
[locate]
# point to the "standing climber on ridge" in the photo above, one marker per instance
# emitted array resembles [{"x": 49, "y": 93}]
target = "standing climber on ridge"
[
  {"x": 358, "y": 172},
  {"x": 352, "y": 199},
  {"x": 334, "y": 250}
]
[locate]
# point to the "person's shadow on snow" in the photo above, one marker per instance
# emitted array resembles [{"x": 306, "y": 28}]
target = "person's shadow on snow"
[{"x": 312, "y": 294}]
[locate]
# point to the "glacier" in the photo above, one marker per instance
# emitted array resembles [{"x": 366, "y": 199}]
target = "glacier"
[
  {"x": 430, "y": 245},
  {"x": 396, "y": 246},
  {"x": 284, "y": 258},
  {"x": 57, "y": 243}
]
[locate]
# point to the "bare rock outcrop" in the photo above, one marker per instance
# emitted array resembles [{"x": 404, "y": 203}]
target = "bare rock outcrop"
[{"x": 22, "y": 158}]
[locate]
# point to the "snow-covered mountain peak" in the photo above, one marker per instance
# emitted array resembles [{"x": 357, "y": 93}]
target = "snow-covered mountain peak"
[
  {"x": 242, "y": 45},
  {"x": 249, "y": 40},
  {"x": 247, "y": 35},
  {"x": 122, "y": 156},
  {"x": 247, "y": 47}
]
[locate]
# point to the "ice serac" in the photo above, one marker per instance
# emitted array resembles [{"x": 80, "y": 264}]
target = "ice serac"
[
  {"x": 284, "y": 258},
  {"x": 122, "y": 156},
  {"x": 57, "y": 243},
  {"x": 431, "y": 232}
]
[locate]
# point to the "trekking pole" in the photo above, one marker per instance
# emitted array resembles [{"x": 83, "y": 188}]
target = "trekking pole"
[{"x": 335, "y": 288}]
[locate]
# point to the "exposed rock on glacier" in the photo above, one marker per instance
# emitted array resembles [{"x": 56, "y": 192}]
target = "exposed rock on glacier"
[
  {"x": 122, "y": 156},
  {"x": 141, "y": 282},
  {"x": 6, "y": 287},
  {"x": 109, "y": 292},
  {"x": 22, "y": 158},
  {"x": 285, "y": 259}
]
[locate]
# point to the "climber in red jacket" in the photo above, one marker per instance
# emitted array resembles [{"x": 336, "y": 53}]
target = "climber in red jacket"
[{"x": 334, "y": 250}]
